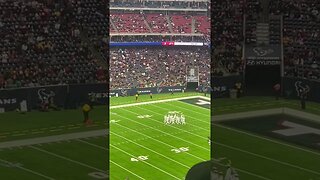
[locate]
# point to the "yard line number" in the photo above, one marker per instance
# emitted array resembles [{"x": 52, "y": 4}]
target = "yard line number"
[
  {"x": 180, "y": 150},
  {"x": 139, "y": 158}
]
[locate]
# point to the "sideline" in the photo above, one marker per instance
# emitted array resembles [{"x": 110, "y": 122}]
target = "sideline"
[
  {"x": 157, "y": 101},
  {"x": 55, "y": 138}
]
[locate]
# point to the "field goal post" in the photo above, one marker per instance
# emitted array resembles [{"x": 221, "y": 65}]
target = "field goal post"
[{"x": 192, "y": 78}]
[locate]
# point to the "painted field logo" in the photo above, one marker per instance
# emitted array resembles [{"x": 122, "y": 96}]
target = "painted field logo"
[
  {"x": 202, "y": 102},
  {"x": 295, "y": 129}
]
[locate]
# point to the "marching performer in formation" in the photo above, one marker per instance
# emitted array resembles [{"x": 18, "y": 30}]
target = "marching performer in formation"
[{"x": 174, "y": 117}]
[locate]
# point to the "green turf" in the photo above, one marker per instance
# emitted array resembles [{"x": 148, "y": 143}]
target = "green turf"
[
  {"x": 144, "y": 98},
  {"x": 132, "y": 137},
  {"x": 15, "y": 125},
  {"x": 78, "y": 160},
  {"x": 252, "y": 153}
]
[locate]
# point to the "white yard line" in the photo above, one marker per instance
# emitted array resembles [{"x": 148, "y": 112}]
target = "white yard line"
[
  {"x": 29, "y": 170},
  {"x": 257, "y": 155},
  {"x": 267, "y": 158},
  {"x": 244, "y": 171},
  {"x": 125, "y": 152},
  {"x": 267, "y": 139},
  {"x": 149, "y": 137},
  {"x": 260, "y": 137},
  {"x": 55, "y": 138},
  {"x": 207, "y": 149},
  {"x": 157, "y": 101},
  {"x": 127, "y": 170},
  {"x": 170, "y": 159},
  {"x": 67, "y": 159}
]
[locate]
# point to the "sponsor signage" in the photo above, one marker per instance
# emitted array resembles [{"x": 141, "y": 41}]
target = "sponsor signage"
[
  {"x": 263, "y": 55},
  {"x": 154, "y": 90}
]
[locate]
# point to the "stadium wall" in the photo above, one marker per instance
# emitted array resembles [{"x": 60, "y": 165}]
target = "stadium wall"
[
  {"x": 153, "y": 90},
  {"x": 221, "y": 86},
  {"x": 66, "y": 96},
  {"x": 291, "y": 87}
]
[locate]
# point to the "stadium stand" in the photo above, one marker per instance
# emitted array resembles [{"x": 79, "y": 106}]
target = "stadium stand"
[
  {"x": 227, "y": 36},
  {"x": 151, "y": 67},
  {"x": 158, "y": 21},
  {"x": 41, "y": 42},
  {"x": 301, "y": 24}
]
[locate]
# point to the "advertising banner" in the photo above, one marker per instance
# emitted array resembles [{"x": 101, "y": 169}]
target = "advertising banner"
[
  {"x": 293, "y": 87},
  {"x": 263, "y": 55}
]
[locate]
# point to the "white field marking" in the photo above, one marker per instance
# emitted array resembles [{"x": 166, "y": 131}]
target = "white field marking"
[
  {"x": 141, "y": 139},
  {"x": 74, "y": 127},
  {"x": 244, "y": 171},
  {"x": 152, "y": 150},
  {"x": 101, "y": 147},
  {"x": 37, "y": 132},
  {"x": 127, "y": 170},
  {"x": 30, "y": 171},
  {"x": 91, "y": 144},
  {"x": 6, "y": 133},
  {"x": 208, "y": 130},
  {"x": 54, "y": 138},
  {"x": 146, "y": 163},
  {"x": 257, "y": 155},
  {"x": 158, "y": 101},
  {"x": 21, "y": 134},
  {"x": 142, "y": 129},
  {"x": 67, "y": 159},
  {"x": 53, "y": 130},
  {"x": 149, "y": 137},
  {"x": 188, "y": 109},
  {"x": 264, "y": 157},
  {"x": 168, "y": 133},
  {"x": 260, "y": 137},
  {"x": 267, "y": 139}
]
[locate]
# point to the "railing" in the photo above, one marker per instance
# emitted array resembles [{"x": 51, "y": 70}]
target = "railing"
[{"x": 66, "y": 96}]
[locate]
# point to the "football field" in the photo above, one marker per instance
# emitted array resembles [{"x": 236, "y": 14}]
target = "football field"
[
  {"x": 53, "y": 145},
  {"x": 142, "y": 146},
  {"x": 256, "y": 151}
]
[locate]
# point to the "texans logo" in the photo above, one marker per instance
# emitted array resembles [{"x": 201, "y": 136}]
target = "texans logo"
[
  {"x": 159, "y": 89},
  {"x": 301, "y": 88},
  {"x": 124, "y": 92},
  {"x": 262, "y": 52},
  {"x": 43, "y": 94}
]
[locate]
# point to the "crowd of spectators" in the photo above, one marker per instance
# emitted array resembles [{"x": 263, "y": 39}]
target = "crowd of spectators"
[
  {"x": 159, "y": 23},
  {"x": 159, "y": 4},
  {"x": 228, "y": 35},
  {"x": 301, "y": 37},
  {"x": 150, "y": 67},
  {"x": 252, "y": 12},
  {"x": 41, "y": 42}
]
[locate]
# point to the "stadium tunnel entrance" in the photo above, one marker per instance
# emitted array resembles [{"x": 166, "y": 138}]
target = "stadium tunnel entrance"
[{"x": 259, "y": 80}]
